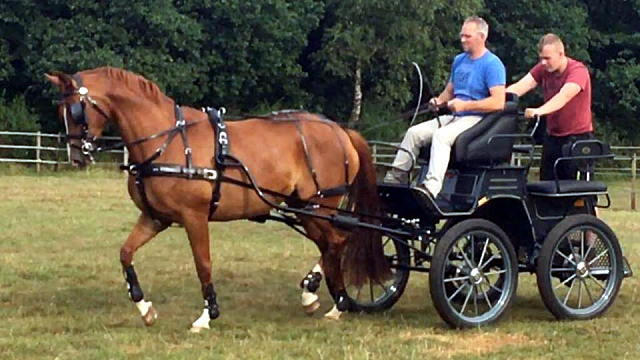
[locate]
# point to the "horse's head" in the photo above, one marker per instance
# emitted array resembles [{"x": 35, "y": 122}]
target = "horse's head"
[{"x": 84, "y": 110}]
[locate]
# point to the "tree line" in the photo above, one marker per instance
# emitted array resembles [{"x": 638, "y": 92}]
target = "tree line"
[{"x": 348, "y": 59}]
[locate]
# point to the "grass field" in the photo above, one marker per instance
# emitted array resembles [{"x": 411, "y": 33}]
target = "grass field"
[{"x": 62, "y": 294}]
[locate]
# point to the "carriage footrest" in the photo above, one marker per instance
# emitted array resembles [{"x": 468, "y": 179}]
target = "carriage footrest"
[{"x": 626, "y": 268}]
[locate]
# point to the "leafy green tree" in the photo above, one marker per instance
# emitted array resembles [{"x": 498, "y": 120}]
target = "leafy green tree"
[
  {"x": 368, "y": 47},
  {"x": 252, "y": 49}
]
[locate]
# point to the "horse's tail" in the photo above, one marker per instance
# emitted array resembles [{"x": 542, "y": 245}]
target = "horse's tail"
[{"x": 364, "y": 257}]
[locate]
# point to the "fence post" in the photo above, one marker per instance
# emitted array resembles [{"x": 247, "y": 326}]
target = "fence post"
[
  {"x": 38, "y": 145},
  {"x": 633, "y": 181},
  {"x": 375, "y": 153},
  {"x": 59, "y": 140},
  {"x": 125, "y": 157}
]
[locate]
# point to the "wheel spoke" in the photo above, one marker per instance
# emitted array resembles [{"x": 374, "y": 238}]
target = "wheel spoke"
[
  {"x": 586, "y": 287},
  {"x": 599, "y": 256},
  {"x": 475, "y": 299},
  {"x": 568, "y": 293},
  {"x": 457, "y": 292},
  {"x": 484, "y": 293},
  {"x": 484, "y": 249},
  {"x": 488, "y": 261},
  {"x": 579, "y": 293},
  {"x": 565, "y": 257},
  {"x": 597, "y": 282},
  {"x": 465, "y": 257},
  {"x": 465, "y": 303},
  {"x": 566, "y": 281},
  {"x": 600, "y": 270},
  {"x": 384, "y": 289},
  {"x": 470, "y": 239},
  {"x": 582, "y": 244},
  {"x": 571, "y": 247},
  {"x": 496, "y": 272},
  {"x": 562, "y": 269},
  {"x": 491, "y": 285},
  {"x": 457, "y": 279},
  {"x": 590, "y": 247}
]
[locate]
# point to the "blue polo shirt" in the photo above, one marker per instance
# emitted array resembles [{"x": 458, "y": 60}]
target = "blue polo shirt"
[{"x": 472, "y": 79}]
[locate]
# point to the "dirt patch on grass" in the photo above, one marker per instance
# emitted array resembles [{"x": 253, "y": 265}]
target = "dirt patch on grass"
[{"x": 468, "y": 343}]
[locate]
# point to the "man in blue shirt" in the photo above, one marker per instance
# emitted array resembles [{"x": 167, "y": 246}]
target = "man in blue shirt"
[{"x": 476, "y": 86}]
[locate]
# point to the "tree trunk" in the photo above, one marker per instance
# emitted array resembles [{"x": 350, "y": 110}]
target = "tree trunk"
[{"x": 357, "y": 93}]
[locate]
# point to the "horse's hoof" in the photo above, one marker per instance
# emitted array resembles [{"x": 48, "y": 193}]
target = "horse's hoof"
[
  {"x": 150, "y": 317},
  {"x": 311, "y": 308},
  {"x": 334, "y": 314},
  {"x": 197, "y": 329}
]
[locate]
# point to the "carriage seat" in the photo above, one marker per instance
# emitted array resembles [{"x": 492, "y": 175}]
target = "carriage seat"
[
  {"x": 485, "y": 143},
  {"x": 550, "y": 187},
  {"x": 584, "y": 153}
]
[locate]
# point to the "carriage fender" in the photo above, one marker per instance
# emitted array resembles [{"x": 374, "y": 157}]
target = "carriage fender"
[{"x": 511, "y": 215}]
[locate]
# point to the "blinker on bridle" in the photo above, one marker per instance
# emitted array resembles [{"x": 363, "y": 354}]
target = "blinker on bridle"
[{"x": 78, "y": 114}]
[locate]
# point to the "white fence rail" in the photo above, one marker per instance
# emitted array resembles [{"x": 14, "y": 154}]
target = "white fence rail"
[
  {"x": 55, "y": 153},
  {"x": 625, "y": 158},
  {"x": 51, "y": 149}
]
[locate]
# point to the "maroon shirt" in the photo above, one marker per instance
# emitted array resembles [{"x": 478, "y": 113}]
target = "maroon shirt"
[{"x": 575, "y": 116}]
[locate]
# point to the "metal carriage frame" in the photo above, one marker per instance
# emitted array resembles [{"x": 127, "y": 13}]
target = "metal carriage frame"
[{"x": 530, "y": 227}]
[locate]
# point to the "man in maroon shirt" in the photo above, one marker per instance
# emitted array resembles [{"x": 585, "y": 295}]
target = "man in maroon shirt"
[{"x": 566, "y": 88}]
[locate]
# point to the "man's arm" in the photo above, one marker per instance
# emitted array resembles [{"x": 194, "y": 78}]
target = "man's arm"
[
  {"x": 566, "y": 93},
  {"x": 494, "y": 102},
  {"x": 523, "y": 86},
  {"x": 445, "y": 95}
]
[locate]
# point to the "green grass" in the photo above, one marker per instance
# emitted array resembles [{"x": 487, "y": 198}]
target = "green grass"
[{"x": 62, "y": 294}]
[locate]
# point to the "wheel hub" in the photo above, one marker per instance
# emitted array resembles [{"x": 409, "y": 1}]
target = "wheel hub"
[
  {"x": 476, "y": 276},
  {"x": 582, "y": 269}
]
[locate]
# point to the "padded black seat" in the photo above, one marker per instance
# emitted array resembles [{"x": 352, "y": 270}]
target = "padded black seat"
[
  {"x": 485, "y": 143},
  {"x": 550, "y": 187}
]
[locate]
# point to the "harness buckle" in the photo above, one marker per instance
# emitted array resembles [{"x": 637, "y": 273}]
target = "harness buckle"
[
  {"x": 132, "y": 169},
  {"x": 209, "y": 174}
]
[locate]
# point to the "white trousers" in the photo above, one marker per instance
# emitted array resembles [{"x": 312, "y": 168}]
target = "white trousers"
[{"x": 441, "y": 141}]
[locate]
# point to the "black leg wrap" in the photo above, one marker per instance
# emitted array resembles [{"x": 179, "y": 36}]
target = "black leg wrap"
[
  {"x": 210, "y": 302},
  {"x": 135, "y": 292},
  {"x": 342, "y": 301},
  {"x": 311, "y": 282}
]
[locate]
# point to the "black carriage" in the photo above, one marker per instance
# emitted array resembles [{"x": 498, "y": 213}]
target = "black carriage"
[{"x": 491, "y": 224}]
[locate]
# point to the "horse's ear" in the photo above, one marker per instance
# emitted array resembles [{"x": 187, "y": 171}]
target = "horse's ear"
[{"x": 60, "y": 79}]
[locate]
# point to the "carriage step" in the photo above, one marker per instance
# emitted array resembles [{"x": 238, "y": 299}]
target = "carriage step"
[{"x": 626, "y": 268}]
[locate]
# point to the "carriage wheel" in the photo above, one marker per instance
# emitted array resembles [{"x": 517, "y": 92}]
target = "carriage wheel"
[
  {"x": 493, "y": 293},
  {"x": 470, "y": 289},
  {"x": 379, "y": 297},
  {"x": 580, "y": 268}
]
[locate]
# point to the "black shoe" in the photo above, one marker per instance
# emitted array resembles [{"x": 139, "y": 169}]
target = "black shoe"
[{"x": 441, "y": 201}]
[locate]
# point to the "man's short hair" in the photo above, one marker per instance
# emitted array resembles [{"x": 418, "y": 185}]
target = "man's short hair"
[
  {"x": 551, "y": 39},
  {"x": 482, "y": 25}
]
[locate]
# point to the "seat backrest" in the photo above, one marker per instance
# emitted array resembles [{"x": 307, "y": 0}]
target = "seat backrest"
[
  {"x": 586, "y": 152},
  {"x": 482, "y": 143}
]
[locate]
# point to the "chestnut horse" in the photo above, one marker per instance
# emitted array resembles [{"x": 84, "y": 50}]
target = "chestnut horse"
[{"x": 293, "y": 157}]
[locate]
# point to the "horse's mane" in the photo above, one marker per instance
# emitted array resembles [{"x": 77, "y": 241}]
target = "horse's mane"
[{"x": 134, "y": 82}]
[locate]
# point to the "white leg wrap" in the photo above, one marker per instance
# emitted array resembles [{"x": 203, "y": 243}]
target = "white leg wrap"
[
  {"x": 308, "y": 298},
  {"x": 317, "y": 268},
  {"x": 143, "y": 306},
  {"x": 202, "y": 322},
  {"x": 333, "y": 314}
]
